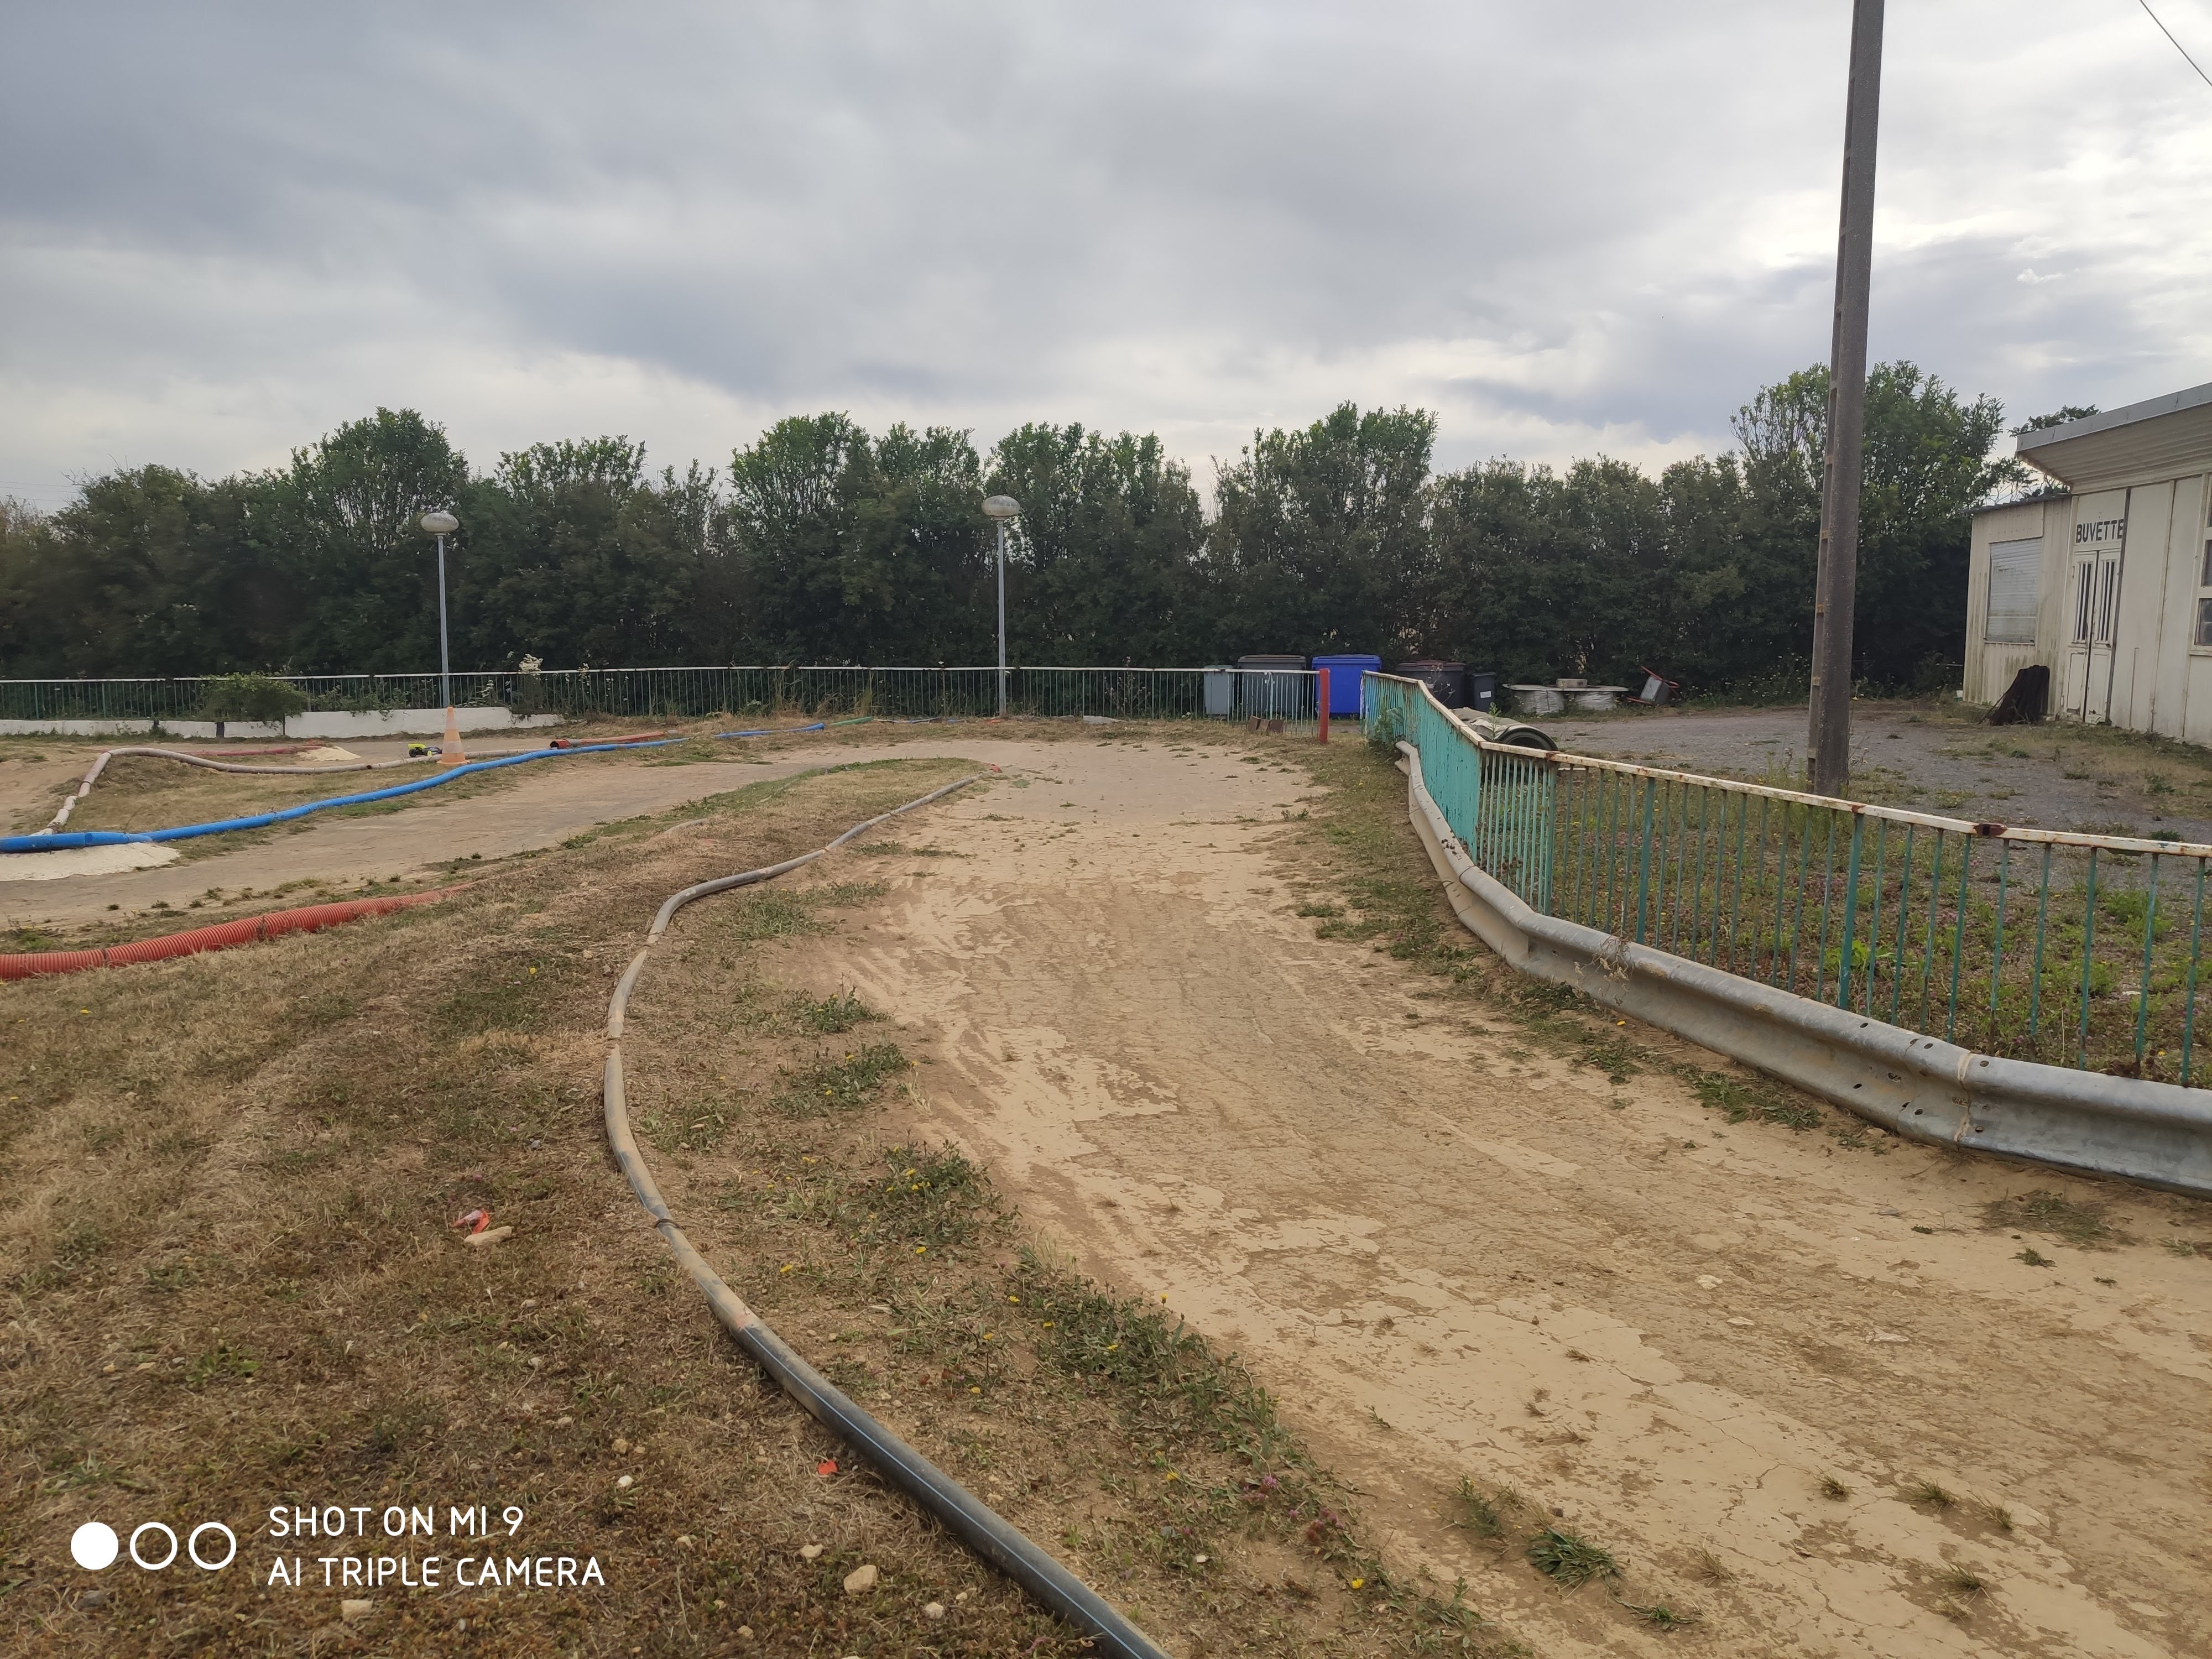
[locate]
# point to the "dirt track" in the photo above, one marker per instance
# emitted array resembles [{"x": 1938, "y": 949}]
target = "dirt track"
[
  {"x": 1451, "y": 1256},
  {"x": 546, "y": 804}
]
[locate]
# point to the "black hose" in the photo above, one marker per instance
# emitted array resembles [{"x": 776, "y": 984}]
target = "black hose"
[{"x": 985, "y": 1532}]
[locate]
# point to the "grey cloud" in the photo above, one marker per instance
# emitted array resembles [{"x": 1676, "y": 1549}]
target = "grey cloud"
[{"x": 1569, "y": 227}]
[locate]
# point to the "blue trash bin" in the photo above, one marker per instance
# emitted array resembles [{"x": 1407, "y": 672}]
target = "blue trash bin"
[{"x": 1344, "y": 674}]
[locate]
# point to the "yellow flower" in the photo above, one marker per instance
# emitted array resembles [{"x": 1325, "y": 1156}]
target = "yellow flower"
[{"x": 1358, "y": 1583}]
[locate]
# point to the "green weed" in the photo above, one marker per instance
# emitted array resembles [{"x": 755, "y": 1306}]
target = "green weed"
[
  {"x": 840, "y": 1085},
  {"x": 221, "y": 1363},
  {"x": 1483, "y": 1516},
  {"x": 1568, "y": 1560},
  {"x": 1961, "y": 1580},
  {"x": 931, "y": 1197},
  {"x": 2042, "y": 1211},
  {"x": 1742, "y": 1099},
  {"x": 826, "y": 1016},
  {"x": 789, "y": 912},
  {"x": 698, "y": 1128},
  {"x": 1086, "y": 1332}
]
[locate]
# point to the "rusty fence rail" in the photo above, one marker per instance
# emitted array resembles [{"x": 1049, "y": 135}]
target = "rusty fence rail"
[{"x": 2080, "y": 950}]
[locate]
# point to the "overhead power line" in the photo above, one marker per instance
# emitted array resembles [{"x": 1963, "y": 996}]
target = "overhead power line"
[{"x": 2178, "y": 46}]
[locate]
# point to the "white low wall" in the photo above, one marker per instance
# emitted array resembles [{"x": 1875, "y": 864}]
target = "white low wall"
[
  {"x": 409, "y": 723},
  {"x": 376, "y": 723},
  {"x": 102, "y": 729}
]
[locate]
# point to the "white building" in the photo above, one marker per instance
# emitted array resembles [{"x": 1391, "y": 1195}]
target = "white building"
[{"x": 2110, "y": 584}]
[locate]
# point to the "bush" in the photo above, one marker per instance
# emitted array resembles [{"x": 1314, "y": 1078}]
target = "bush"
[{"x": 252, "y": 697}]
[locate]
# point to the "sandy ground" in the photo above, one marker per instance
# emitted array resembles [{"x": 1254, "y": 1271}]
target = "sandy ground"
[
  {"x": 2065, "y": 779},
  {"x": 1451, "y": 1257}
]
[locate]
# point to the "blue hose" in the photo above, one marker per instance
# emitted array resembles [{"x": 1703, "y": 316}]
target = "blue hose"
[
  {"x": 262, "y": 820},
  {"x": 765, "y": 732}
]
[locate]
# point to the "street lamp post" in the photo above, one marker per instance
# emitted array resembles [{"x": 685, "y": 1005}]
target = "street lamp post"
[
  {"x": 1000, "y": 508},
  {"x": 442, "y": 524}
]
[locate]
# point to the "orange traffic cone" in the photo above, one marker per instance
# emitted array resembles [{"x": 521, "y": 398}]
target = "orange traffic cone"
[{"x": 450, "y": 754}]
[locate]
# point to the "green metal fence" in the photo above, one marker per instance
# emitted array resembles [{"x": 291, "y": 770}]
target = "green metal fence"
[
  {"x": 1271, "y": 695},
  {"x": 2074, "y": 949}
]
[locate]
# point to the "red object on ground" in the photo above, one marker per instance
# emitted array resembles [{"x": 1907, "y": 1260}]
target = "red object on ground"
[
  {"x": 827, "y": 1465},
  {"x": 1324, "y": 705},
  {"x": 481, "y": 1218},
  {"x": 246, "y": 930}
]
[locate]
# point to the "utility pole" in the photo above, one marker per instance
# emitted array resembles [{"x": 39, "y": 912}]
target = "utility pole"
[{"x": 1828, "y": 740}]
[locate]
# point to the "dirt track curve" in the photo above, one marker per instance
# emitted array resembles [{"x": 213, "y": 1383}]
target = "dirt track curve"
[{"x": 1452, "y": 1257}]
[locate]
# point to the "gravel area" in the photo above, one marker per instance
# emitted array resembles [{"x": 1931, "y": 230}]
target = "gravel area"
[{"x": 1935, "y": 759}]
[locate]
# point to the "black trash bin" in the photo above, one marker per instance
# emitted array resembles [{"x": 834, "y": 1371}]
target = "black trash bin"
[
  {"x": 1448, "y": 680},
  {"x": 1482, "y": 689}
]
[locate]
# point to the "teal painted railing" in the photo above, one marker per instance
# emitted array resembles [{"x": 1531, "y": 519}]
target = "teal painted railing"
[{"x": 2075, "y": 950}]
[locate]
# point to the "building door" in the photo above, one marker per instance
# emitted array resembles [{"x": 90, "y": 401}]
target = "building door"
[{"x": 2093, "y": 613}]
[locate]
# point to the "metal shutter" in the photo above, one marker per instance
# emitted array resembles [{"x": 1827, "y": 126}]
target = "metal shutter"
[{"x": 2014, "y": 568}]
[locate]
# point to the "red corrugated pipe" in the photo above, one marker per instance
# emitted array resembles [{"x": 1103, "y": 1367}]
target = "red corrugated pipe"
[{"x": 274, "y": 924}]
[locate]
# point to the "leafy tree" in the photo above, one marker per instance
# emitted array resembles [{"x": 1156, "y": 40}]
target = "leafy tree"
[
  {"x": 142, "y": 574},
  {"x": 1542, "y": 573},
  {"x": 856, "y": 550},
  {"x": 2058, "y": 416},
  {"x": 340, "y": 527},
  {"x": 1320, "y": 544},
  {"x": 575, "y": 557},
  {"x": 826, "y": 544},
  {"x": 1106, "y": 554},
  {"x": 1927, "y": 462}
]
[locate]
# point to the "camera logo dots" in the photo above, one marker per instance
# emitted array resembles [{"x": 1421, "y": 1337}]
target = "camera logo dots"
[
  {"x": 94, "y": 1546},
  {"x": 153, "y": 1545}
]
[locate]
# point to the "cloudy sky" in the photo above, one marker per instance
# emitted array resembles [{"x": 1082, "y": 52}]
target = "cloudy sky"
[{"x": 1570, "y": 226}]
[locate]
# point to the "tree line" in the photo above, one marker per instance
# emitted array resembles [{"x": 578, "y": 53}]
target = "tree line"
[{"x": 824, "y": 542}]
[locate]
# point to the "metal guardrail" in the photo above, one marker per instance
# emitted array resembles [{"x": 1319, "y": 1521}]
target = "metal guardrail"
[
  {"x": 1920, "y": 1087},
  {"x": 680, "y": 693},
  {"x": 2072, "y": 949}
]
